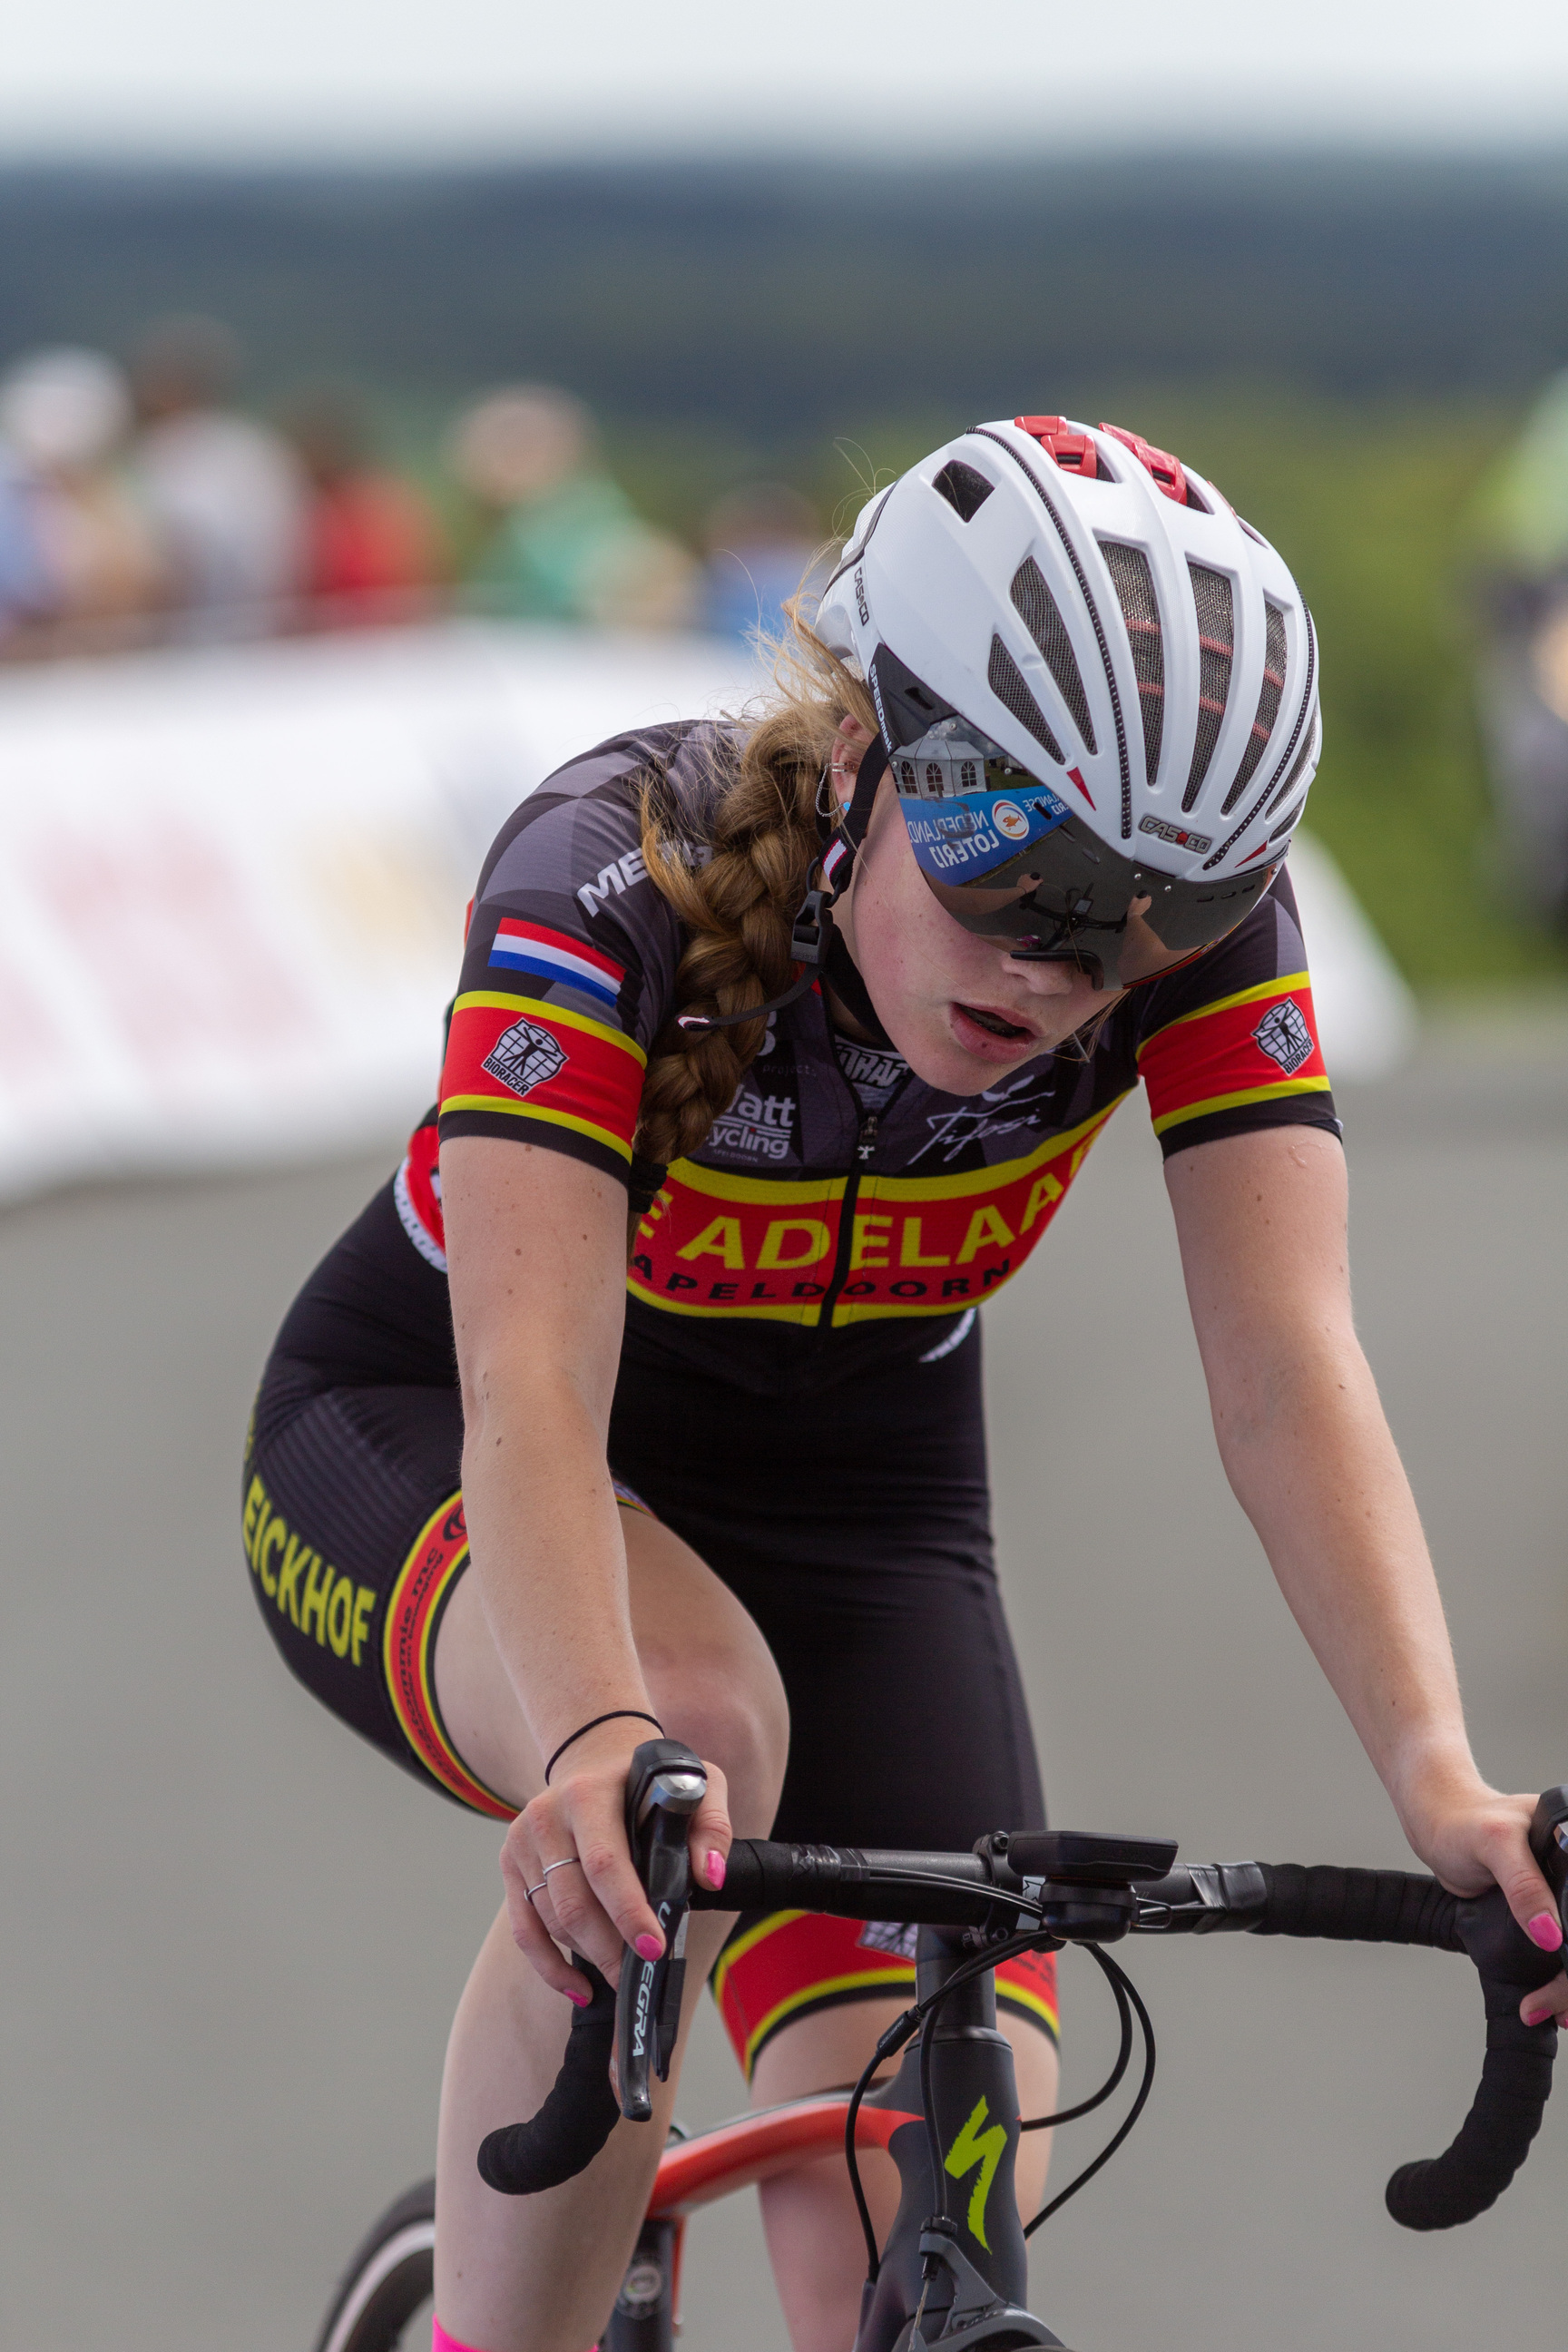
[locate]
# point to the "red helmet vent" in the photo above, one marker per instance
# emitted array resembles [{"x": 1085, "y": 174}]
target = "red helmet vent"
[
  {"x": 1166, "y": 469},
  {"x": 1073, "y": 451}
]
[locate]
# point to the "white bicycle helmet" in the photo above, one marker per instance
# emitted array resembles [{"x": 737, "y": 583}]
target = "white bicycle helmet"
[{"x": 1097, "y": 690}]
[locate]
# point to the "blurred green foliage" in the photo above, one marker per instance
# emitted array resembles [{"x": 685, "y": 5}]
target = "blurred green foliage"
[{"x": 1372, "y": 508}]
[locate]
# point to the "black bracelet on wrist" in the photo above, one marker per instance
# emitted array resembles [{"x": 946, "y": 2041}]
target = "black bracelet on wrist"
[{"x": 634, "y": 1713}]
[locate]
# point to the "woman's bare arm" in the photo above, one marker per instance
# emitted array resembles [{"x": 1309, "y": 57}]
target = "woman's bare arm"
[
  {"x": 535, "y": 1243},
  {"x": 536, "y": 1248},
  {"x": 1262, "y": 1220}
]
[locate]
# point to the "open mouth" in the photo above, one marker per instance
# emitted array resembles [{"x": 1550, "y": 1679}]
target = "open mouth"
[{"x": 994, "y": 1023}]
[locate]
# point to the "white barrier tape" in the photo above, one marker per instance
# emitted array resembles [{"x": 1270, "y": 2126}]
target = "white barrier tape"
[{"x": 231, "y": 884}]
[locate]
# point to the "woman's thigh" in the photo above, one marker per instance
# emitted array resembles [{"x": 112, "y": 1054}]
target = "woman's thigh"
[
  {"x": 710, "y": 1675},
  {"x": 356, "y": 1537}
]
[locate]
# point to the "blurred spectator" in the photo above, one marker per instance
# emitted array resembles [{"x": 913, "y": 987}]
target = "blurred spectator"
[
  {"x": 373, "y": 552},
  {"x": 564, "y": 541},
  {"x": 75, "y": 527},
  {"x": 761, "y": 542},
  {"x": 24, "y": 583},
  {"x": 227, "y": 494}
]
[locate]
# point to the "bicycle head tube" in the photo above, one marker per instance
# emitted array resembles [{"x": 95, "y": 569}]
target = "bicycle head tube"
[{"x": 954, "y": 2257}]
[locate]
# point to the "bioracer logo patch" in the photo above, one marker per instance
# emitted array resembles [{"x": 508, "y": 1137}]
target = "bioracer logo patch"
[
  {"x": 1285, "y": 1037},
  {"x": 525, "y": 1056},
  {"x": 882, "y": 1936}
]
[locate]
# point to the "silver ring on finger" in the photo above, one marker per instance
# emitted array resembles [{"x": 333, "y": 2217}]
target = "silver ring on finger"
[
  {"x": 567, "y": 1861},
  {"x": 529, "y": 1892}
]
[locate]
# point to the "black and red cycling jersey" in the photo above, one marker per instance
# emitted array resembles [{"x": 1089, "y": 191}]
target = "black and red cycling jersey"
[
  {"x": 829, "y": 1240},
  {"x": 836, "y": 1189}
]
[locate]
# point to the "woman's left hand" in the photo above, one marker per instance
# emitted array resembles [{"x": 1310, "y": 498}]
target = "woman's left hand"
[{"x": 1485, "y": 1840}]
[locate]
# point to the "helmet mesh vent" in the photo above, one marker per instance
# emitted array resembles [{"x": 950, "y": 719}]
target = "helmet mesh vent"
[
  {"x": 1216, "y": 650},
  {"x": 1134, "y": 585},
  {"x": 1285, "y": 823},
  {"x": 1267, "y": 707},
  {"x": 965, "y": 488},
  {"x": 1042, "y": 617},
  {"x": 1005, "y": 680}
]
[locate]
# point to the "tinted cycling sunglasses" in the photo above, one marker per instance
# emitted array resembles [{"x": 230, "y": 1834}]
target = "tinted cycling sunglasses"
[{"x": 1006, "y": 855}]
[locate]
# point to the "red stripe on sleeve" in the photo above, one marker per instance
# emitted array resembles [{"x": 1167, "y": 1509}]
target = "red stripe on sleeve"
[
  {"x": 1215, "y": 1059},
  {"x": 528, "y": 1061}
]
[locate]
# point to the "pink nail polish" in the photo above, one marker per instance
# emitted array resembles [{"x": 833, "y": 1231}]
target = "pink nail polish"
[
  {"x": 1546, "y": 1931},
  {"x": 580, "y": 2000},
  {"x": 1536, "y": 2016},
  {"x": 715, "y": 1867},
  {"x": 647, "y": 1947}
]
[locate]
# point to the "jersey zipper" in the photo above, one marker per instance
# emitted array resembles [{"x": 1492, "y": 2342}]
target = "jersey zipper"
[{"x": 865, "y": 1151}]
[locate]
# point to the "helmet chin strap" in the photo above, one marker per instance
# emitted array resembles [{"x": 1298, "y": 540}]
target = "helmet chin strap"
[{"x": 813, "y": 933}]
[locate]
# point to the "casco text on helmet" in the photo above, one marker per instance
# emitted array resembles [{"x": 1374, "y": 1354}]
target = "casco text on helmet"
[{"x": 1106, "y": 617}]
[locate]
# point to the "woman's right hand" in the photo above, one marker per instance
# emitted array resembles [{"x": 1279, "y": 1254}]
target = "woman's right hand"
[{"x": 596, "y": 1905}]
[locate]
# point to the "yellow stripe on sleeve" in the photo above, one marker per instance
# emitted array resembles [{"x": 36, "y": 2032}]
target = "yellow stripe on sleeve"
[{"x": 1233, "y": 1102}]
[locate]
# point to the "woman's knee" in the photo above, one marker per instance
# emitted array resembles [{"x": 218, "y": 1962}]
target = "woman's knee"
[
  {"x": 709, "y": 1673},
  {"x": 733, "y": 1712}
]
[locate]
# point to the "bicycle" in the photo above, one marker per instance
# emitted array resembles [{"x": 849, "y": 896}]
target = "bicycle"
[{"x": 949, "y": 2115}]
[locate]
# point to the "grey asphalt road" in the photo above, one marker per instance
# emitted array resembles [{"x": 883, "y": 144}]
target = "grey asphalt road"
[{"x": 234, "y": 1936}]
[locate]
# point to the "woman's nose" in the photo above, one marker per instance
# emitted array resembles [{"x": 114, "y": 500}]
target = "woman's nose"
[{"x": 1043, "y": 979}]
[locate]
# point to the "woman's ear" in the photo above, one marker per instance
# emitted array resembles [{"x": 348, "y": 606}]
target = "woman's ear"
[{"x": 849, "y": 744}]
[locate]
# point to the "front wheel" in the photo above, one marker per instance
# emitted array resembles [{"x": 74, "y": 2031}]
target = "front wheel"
[{"x": 385, "y": 2297}]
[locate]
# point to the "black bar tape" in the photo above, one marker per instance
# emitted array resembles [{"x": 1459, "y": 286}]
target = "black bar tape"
[
  {"x": 1440, "y": 2191},
  {"x": 578, "y": 2115},
  {"x": 851, "y": 1883},
  {"x": 1357, "y": 1906},
  {"x": 758, "y": 1876}
]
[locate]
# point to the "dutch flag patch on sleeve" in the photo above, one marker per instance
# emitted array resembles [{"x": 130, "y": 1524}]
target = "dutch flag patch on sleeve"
[{"x": 550, "y": 955}]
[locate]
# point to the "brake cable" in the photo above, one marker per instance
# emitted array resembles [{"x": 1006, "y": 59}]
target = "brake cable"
[
  {"x": 902, "y": 2030},
  {"x": 921, "y": 2015},
  {"x": 1107, "y": 2088},
  {"x": 1125, "y": 1990}
]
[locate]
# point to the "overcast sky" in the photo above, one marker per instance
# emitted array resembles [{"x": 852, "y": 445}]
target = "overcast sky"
[{"x": 920, "y": 80}]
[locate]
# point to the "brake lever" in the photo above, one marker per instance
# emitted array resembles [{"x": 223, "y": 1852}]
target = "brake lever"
[
  {"x": 665, "y": 1786},
  {"x": 1548, "y": 1843}
]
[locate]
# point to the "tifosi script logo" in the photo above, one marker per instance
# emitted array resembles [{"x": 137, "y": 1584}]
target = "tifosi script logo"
[
  {"x": 1284, "y": 1036},
  {"x": 861, "y": 606},
  {"x": 525, "y": 1056}
]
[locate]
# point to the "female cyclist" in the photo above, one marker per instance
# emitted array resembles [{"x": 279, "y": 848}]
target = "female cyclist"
[{"x": 1042, "y": 754}]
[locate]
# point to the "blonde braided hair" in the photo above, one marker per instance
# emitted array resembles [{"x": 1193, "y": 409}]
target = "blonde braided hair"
[{"x": 739, "y": 906}]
